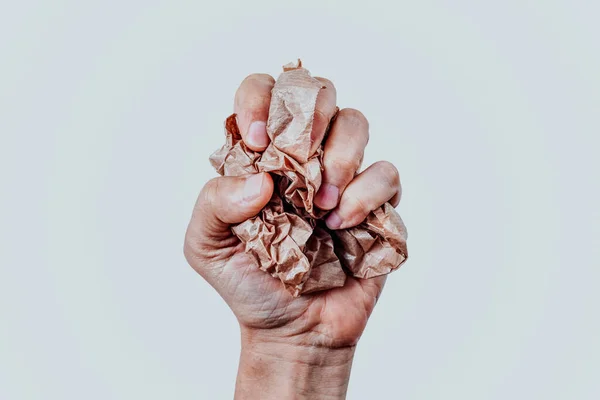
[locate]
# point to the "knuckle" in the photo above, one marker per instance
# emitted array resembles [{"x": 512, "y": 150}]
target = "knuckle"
[
  {"x": 254, "y": 92},
  {"x": 209, "y": 193},
  {"x": 346, "y": 167},
  {"x": 255, "y": 100},
  {"x": 354, "y": 210},
  {"x": 357, "y": 205},
  {"x": 259, "y": 78},
  {"x": 354, "y": 117},
  {"x": 389, "y": 172},
  {"x": 326, "y": 82}
]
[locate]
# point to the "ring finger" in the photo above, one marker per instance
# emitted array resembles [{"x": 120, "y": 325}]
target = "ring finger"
[{"x": 372, "y": 188}]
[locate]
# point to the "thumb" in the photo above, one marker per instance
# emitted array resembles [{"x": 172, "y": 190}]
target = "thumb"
[{"x": 229, "y": 200}]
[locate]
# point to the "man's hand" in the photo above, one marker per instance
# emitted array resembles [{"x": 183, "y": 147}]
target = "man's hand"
[{"x": 291, "y": 347}]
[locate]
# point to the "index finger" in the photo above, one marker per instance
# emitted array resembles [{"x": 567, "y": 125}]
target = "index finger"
[{"x": 251, "y": 105}]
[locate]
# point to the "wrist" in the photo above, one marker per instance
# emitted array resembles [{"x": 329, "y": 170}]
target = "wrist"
[{"x": 277, "y": 369}]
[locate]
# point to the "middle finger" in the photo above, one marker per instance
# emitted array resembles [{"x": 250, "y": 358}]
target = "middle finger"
[
  {"x": 325, "y": 109},
  {"x": 343, "y": 153}
]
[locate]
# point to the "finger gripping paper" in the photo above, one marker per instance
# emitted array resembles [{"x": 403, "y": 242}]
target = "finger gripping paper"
[{"x": 288, "y": 238}]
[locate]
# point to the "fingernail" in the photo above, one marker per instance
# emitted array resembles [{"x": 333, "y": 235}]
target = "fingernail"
[
  {"x": 253, "y": 187},
  {"x": 327, "y": 196},
  {"x": 257, "y": 134},
  {"x": 333, "y": 221}
]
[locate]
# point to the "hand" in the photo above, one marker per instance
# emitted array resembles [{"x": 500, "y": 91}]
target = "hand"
[{"x": 291, "y": 345}]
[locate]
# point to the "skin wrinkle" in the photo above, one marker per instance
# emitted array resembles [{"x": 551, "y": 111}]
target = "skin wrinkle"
[
  {"x": 353, "y": 210},
  {"x": 208, "y": 255},
  {"x": 347, "y": 166},
  {"x": 314, "y": 348},
  {"x": 356, "y": 118},
  {"x": 206, "y": 251},
  {"x": 305, "y": 375},
  {"x": 356, "y": 211},
  {"x": 304, "y": 325},
  {"x": 389, "y": 172},
  {"x": 242, "y": 277},
  {"x": 301, "y": 329},
  {"x": 269, "y": 316},
  {"x": 282, "y": 312}
]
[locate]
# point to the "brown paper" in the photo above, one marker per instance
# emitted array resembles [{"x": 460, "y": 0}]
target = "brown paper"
[{"x": 287, "y": 238}]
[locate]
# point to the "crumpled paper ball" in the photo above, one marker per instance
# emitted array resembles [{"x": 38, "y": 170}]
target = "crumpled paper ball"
[{"x": 288, "y": 238}]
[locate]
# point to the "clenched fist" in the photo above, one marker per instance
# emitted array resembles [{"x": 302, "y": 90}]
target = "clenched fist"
[{"x": 291, "y": 347}]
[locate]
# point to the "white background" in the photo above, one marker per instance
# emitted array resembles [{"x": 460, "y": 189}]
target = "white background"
[{"x": 490, "y": 110}]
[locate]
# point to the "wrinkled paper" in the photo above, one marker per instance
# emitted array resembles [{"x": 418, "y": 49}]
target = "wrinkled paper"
[{"x": 288, "y": 238}]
